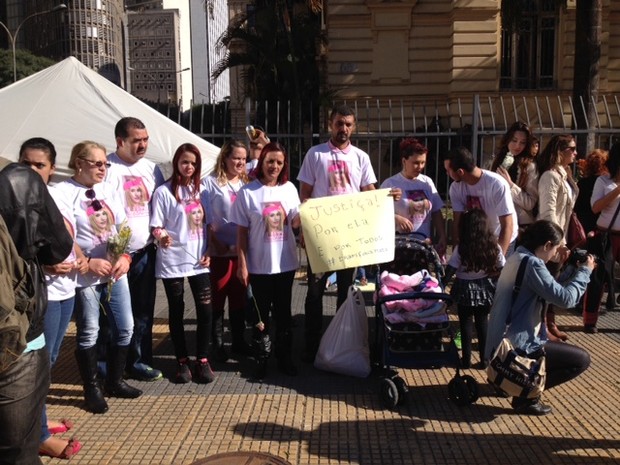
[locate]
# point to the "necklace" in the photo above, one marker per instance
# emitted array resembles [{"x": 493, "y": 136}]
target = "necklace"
[{"x": 232, "y": 188}]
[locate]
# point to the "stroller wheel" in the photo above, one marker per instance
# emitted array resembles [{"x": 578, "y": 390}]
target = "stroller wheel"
[
  {"x": 389, "y": 393},
  {"x": 402, "y": 389},
  {"x": 463, "y": 390}
]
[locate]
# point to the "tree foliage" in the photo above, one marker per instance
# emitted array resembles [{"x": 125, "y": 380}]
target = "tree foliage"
[
  {"x": 27, "y": 64},
  {"x": 276, "y": 42}
]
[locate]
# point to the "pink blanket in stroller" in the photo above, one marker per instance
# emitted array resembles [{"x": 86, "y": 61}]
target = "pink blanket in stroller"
[{"x": 420, "y": 310}]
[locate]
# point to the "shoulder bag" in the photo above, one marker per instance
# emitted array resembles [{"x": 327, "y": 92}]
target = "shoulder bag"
[{"x": 512, "y": 370}]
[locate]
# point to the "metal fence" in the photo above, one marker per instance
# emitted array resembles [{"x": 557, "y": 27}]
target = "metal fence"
[{"x": 476, "y": 122}]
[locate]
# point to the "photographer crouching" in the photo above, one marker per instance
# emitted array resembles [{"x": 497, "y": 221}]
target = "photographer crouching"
[{"x": 517, "y": 311}]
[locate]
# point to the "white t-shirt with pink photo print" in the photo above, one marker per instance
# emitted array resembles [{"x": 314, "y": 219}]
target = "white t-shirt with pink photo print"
[
  {"x": 136, "y": 183},
  {"x": 333, "y": 171},
  {"x": 62, "y": 286},
  {"x": 94, "y": 225},
  {"x": 267, "y": 212},
  {"x": 186, "y": 224},
  {"x": 221, "y": 199}
]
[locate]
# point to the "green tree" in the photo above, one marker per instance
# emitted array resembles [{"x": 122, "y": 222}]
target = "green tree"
[
  {"x": 277, "y": 43},
  {"x": 27, "y": 64}
]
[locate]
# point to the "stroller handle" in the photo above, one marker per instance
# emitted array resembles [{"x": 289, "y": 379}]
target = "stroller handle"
[{"x": 415, "y": 295}]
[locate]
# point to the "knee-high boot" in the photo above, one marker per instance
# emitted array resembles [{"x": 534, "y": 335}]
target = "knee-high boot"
[
  {"x": 115, "y": 386},
  {"x": 552, "y": 330},
  {"x": 93, "y": 395}
]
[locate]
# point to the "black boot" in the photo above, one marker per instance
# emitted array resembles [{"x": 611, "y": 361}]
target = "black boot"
[
  {"x": 115, "y": 386},
  {"x": 219, "y": 351},
  {"x": 262, "y": 350},
  {"x": 93, "y": 395},
  {"x": 284, "y": 349},
  {"x": 237, "y": 328}
]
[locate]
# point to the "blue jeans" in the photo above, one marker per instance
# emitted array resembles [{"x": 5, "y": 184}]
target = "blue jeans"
[
  {"x": 142, "y": 288},
  {"x": 57, "y": 318},
  {"x": 23, "y": 388},
  {"x": 118, "y": 311}
]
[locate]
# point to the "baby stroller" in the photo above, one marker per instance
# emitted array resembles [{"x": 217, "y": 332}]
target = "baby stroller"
[{"x": 412, "y": 327}]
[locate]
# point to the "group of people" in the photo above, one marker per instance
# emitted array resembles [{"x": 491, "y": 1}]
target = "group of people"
[{"x": 235, "y": 232}]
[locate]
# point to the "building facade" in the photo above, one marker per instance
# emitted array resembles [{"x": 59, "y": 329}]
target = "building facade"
[
  {"x": 154, "y": 55},
  {"x": 209, "y": 19}
]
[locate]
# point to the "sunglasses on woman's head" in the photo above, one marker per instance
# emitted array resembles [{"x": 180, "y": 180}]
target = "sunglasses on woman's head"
[
  {"x": 98, "y": 164},
  {"x": 90, "y": 194}
]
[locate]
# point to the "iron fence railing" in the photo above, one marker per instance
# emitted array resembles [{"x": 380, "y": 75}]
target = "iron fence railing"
[{"x": 476, "y": 122}]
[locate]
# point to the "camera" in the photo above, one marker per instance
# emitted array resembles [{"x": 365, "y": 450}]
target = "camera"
[{"x": 578, "y": 256}]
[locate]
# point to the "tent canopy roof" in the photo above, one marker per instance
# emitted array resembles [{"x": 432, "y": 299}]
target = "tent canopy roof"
[{"x": 68, "y": 103}]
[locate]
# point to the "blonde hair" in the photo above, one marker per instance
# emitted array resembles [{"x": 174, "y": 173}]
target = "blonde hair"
[
  {"x": 81, "y": 150},
  {"x": 219, "y": 170}
]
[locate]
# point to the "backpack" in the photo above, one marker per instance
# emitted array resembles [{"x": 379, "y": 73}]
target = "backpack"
[{"x": 17, "y": 298}]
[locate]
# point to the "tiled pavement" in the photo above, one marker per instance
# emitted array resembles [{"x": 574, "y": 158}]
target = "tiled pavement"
[{"x": 320, "y": 418}]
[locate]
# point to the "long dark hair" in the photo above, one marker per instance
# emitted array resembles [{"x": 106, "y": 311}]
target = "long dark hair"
[
  {"x": 273, "y": 147},
  {"x": 522, "y": 160},
  {"x": 176, "y": 179},
  {"x": 477, "y": 244},
  {"x": 539, "y": 233},
  {"x": 550, "y": 156},
  {"x": 613, "y": 160}
]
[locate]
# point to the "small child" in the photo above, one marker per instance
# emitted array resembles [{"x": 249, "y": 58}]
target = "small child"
[{"x": 476, "y": 261}]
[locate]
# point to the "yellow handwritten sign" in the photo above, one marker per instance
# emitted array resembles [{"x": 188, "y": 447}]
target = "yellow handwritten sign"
[{"x": 345, "y": 231}]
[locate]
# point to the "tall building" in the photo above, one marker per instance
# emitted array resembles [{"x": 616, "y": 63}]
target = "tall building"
[
  {"x": 154, "y": 54},
  {"x": 90, "y": 30},
  {"x": 209, "y": 19}
]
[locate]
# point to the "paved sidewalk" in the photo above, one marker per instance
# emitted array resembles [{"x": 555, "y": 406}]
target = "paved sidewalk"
[{"x": 321, "y": 418}]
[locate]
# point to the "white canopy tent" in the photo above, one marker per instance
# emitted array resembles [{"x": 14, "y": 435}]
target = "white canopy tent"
[{"x": 68, "y": 102}]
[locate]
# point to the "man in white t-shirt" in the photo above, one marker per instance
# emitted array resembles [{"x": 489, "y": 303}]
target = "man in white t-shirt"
[
  {"x": 137, "y": 178},
  {"x": 477, "y": 188},
  {"x": 333, "y": 168}
]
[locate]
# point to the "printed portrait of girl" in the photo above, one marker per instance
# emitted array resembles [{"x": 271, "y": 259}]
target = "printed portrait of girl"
[
  {"x": 195, "y": 219},
  {"x": 101, "y": 222},
  {"x": 339, "y": 179},
  {"x": 136, "y": 195},
  {"x": 274, "y": 217}
]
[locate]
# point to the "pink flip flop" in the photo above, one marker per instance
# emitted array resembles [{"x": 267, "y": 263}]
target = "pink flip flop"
[{"x": 65, "y": 425}]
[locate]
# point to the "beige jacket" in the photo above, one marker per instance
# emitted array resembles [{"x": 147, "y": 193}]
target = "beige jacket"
[
  {"x": 555, "y": 201},
  {"x": 526, "y": 199}
]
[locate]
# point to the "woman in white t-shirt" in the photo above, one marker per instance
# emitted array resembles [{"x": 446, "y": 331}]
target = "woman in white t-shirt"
[
  {"x": 86, "y": 195},
  {"x": 266, "y": 211},
  {"x": 40, "y": 155},
  {"x": 179, "y": 219},
  {"x": 420, "y": 205},
  {"x": 223, "y": 185}
]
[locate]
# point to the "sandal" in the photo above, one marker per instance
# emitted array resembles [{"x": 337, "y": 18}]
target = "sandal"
[
  {"x": 64, "y": 426},
  {"x": 73, "y": 447}
]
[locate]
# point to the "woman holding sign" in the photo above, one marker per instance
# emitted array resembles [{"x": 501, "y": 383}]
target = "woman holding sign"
[{"x": 266, "y": 211}]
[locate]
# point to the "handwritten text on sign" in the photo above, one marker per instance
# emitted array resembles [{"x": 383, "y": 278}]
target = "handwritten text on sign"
[{"x": 346, "y": 231}]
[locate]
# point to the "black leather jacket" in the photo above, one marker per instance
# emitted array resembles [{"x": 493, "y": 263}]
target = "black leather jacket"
[{"x": 37, "y": 228}]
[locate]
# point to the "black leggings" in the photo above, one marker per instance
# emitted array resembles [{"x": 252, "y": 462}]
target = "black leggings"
[
  {"x": 480, "y": 316},
  {"x": 564, "y": 362},
  {"x": 200, "y": 285}
]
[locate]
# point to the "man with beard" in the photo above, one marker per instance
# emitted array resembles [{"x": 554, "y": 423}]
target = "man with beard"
[
  {"x": 333, "y": 168},
  {"x": 136, "y": 177}
]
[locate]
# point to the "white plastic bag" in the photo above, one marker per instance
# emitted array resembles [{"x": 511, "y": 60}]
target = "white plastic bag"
[{"x": 344, "y": 346}]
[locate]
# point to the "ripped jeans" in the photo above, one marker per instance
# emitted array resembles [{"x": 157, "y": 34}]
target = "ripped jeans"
[{"x": 201, "y": 290}]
